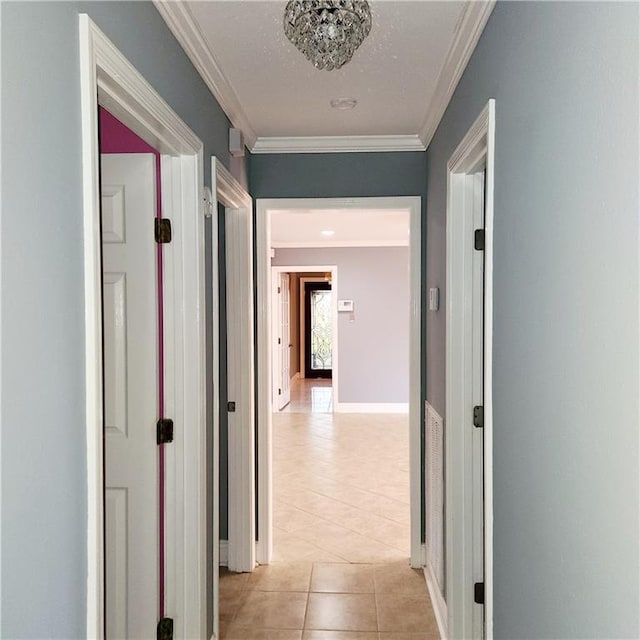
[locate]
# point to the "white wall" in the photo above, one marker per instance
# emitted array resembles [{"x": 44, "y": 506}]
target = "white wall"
[{"x": 373, "y": 350}]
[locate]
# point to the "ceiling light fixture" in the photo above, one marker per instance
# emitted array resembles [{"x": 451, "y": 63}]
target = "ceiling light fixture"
[
  {"x": 343, "y": 104},
  {"x": 328, "y": 232},
  {"x": 327, "y": 31}
]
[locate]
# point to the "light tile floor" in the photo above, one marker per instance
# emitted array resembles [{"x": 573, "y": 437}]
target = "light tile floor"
[
  {"x": 341, "y": 533},
  {"x": 326, "y": 601},
  {"x": 341, "y": 487},
  {"x": 310, "y": 396}
]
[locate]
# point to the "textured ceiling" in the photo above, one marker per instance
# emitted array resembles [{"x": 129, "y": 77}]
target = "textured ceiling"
[
  {"x": 393, "y": 75},
  {"x": 351, "y": 227}
]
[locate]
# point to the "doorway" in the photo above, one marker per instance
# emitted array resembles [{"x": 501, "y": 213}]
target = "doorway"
[
  {"x": 337, "y": 476},
  {"x": 468, "y": 504},
  {"x": 318, "y": 321},
  {"x": 265, "y": 492},
  {"x": 110, "y": 81}
]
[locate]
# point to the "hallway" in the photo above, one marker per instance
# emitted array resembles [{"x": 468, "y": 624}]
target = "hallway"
[
  {"x": 341, "y": 481},
  {"x": 340, "y": 566}
]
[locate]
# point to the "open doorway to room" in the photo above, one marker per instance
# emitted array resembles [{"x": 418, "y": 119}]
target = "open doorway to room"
[
  {"x": 304, "y": 338},
  {"x": 338, "y": 493},
  {"x": 341, "y": 482}
]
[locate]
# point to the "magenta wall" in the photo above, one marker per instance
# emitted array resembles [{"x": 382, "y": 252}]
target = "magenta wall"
[{"x": 116, "y": 138}]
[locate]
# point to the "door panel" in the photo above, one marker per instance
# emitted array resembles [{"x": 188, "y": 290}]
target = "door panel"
[
  {"x": 116, "y": 552},
  {"x": 115, "y": 365},
  {"x": 130, "y": 375}
]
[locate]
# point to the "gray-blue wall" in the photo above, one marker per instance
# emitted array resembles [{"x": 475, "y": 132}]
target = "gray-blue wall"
[
  {"x": 340, "y": 175},
  {"x": 44, "y": 501},
  {"x": 373, "y": 348},
  {"x": 565, "y": 80},
  {"x": 343, "y": 175}
]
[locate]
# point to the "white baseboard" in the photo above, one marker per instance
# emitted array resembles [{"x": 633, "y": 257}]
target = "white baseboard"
[
  {"x": 437, "y": 601},
  {"x": 372, "y": 407},
  {"x": 224, "y": 553}
]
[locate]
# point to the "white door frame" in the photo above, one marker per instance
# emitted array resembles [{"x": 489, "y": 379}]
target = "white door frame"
[
  {"x": 109, "y": 80},
  {"x": 264, "y": 409},
  {"x": 476, "y": 147},
  {"x": 333, "y": 270},
  {"x": 241, "y": 376}
]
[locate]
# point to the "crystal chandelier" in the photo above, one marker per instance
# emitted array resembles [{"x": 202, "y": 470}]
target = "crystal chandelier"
[{"x": 327, "y": 31}]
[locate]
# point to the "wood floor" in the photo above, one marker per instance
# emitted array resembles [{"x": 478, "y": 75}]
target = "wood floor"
[{"x": 341, "y": 533}]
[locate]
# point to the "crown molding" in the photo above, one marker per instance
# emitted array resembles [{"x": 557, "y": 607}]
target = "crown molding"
[
  {"x": 470, "y": 28},
  {"x": 337, "y": 144},
  {"x": 186, "y": 31}
]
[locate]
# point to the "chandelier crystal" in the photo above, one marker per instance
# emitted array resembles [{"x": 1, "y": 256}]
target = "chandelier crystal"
[{"x": 327, "y": 31}]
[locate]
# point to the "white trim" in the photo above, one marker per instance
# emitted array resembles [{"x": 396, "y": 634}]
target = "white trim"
[
  {"x": 477, "y": 145},
  {"x": 210, "y": 210},
  {"x": 223, "y": 554},
  {"x": 181, "y": 23},
  {"x": 488, "y": 369},
  {"x": 416, "y": 455},
  {"x": 337, "y": 144},
  {"x": 371, "y": 407},
  {"x": 470, "y": 27},
  {"x": 437, "y": 602},
  {"x": 319, "y": 244},
  {"x": 108, "y": 79},
  {"x": 263, "y": 246},
  {"x": 241, "y": 372}
]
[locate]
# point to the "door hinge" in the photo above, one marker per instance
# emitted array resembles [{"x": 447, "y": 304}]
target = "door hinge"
[
  {"x": 162, "y": 231},
  {"x": 164, "y": 431},
  {"x": 278, "y": 289},
  {"x": 478, "y": 592},
  {"x": 279, "y": 392},
  {"x": 165, "y": 629},
  {"x": 478, "y": 240},
  {"x": 231, "y": 406},
  {"x": 279, "y": 341},
  {"x": 478, "y": 416}
]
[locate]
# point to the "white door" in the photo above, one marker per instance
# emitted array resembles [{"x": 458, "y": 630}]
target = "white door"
[
  {"x": 276, "y": 337},
  {"x": 281, "y": 322},
  {"x": 130, "y": 383},
  {"x": 240, "y": 386},
  {"x": 285, "y": 342}
]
